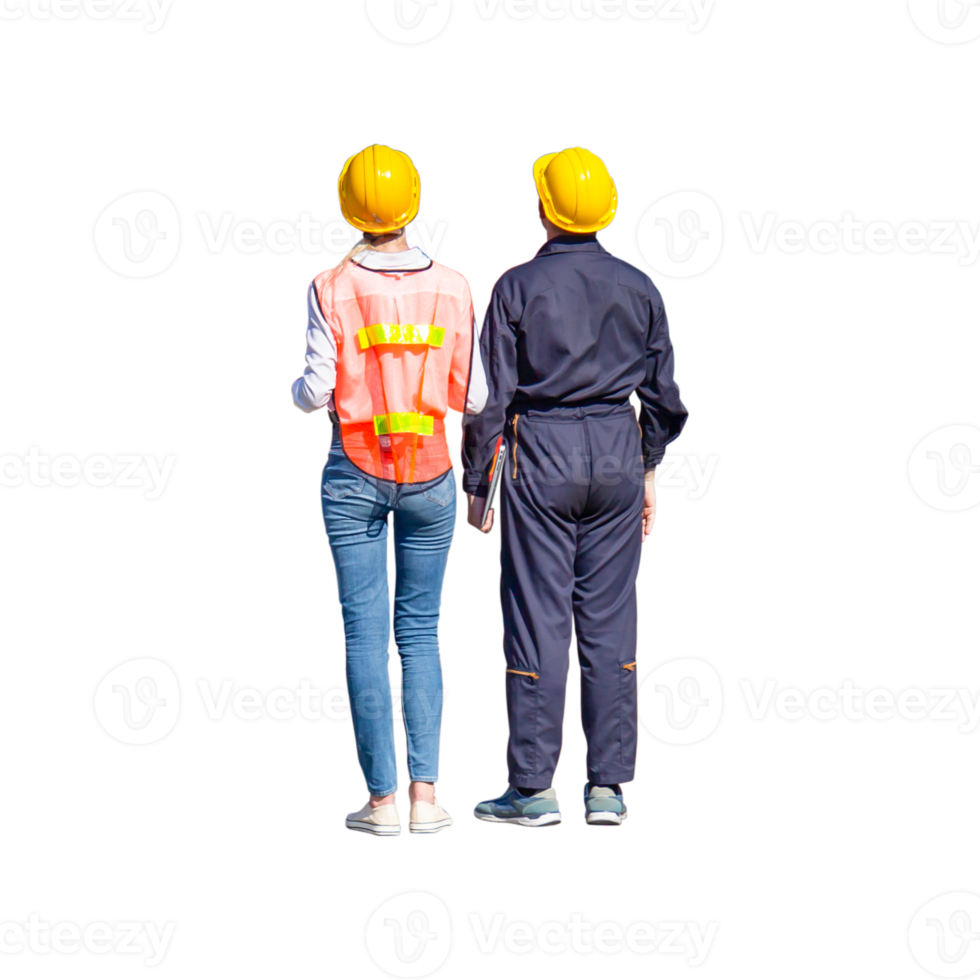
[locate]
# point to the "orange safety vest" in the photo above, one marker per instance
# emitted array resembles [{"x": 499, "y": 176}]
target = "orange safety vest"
[{"x": 404, "y": 342}]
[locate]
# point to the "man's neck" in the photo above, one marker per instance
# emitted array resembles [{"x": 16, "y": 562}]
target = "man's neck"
[{"x": 571, "y": 237}]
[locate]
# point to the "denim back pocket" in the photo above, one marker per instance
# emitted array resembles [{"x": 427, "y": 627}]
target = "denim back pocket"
[
  {"x": 339, "y": 482},
  {"x": 443, "y": 492}
]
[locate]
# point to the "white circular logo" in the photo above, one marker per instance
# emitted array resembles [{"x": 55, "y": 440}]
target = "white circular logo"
[
  {"x": 944, "y": 936},
  {"x": 947, "y": 21},
  {"x": 681, "y": 702},
  {"x": 409, "y": 21},
  {"x": 410, "y": 935},
  {"x": 138, "y": 702},
  {"x": 681, "y": 234},
  {"x": 944, "y": 468},
  {"x": 138, "y": 235}
]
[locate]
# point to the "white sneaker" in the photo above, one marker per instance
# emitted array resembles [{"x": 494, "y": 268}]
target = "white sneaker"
[
  {"x": 379, "y": 820},
  {"x": 427, "y": 818}
]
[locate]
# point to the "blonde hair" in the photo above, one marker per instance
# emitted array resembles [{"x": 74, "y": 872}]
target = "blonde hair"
[{"x": 365, "y": 244}]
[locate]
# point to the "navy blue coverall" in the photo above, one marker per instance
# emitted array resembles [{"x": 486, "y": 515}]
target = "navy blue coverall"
[{"x": 568, "y": 337}]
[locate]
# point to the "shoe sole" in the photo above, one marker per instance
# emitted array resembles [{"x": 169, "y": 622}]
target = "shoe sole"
[
  {"x": 430, "y": 828},
  {"x": 541, "y": 820},
  {"x": 606, "y": 818},
  {"x": 375, "y": 829}
]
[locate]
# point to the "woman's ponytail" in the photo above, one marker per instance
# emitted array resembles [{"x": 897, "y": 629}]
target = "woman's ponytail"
[{"x": 364, "y": 245}]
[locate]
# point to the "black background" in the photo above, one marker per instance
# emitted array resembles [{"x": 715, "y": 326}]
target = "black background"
[{"x": 809, "y": 559}]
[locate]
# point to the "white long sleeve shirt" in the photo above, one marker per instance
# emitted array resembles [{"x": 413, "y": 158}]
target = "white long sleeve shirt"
[{"x": 315, "y": 388}]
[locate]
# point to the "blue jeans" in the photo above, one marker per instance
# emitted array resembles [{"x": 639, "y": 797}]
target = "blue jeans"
[{"x": 355, "y": 512}]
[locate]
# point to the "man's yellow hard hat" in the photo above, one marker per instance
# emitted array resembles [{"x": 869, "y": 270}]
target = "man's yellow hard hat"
[
  {"x": 379, "y": 190},
  {"x": 576, "y": 190}
]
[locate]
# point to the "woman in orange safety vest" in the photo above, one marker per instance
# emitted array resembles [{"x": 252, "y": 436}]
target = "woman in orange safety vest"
[{"x": 391, "y": 348}]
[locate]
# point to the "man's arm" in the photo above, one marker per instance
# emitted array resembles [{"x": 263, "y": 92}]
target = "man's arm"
[
  {"x": 662, "y": 414},
  {"x": 649, "y": 502},
  {"x": 498, "y": 351}
]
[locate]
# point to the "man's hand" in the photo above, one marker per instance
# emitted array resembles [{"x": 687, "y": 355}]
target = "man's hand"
[
  {"x": 476, "y": 513},
  {"x": 649, "y": 503}
]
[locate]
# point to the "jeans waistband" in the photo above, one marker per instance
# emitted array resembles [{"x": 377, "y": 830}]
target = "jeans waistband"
[{"x": 573, "y": 413}]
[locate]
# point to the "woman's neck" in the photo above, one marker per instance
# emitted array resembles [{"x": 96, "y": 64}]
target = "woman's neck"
[{"x": 395, "y": 242}]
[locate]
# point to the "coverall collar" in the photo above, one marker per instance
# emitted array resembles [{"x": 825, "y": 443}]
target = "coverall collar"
[{"x": 571, "y": 243}]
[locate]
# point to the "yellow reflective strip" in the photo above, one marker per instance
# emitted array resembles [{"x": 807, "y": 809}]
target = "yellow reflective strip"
[
  {"x": 523, "y": 673},
  {"x": 396, "y": 422},
  {"x": 402, "y": 334},
  {"x": 386, "y": 333},
  {"x": 631, "y": 666}
]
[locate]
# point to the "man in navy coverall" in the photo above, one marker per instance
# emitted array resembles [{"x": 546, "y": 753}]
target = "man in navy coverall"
[{"x": 568, "y": 337}]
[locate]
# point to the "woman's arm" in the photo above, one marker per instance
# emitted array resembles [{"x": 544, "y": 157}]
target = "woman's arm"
[
  {"x": 476, "y": 390},
  {"x": 315, "y": 388}
]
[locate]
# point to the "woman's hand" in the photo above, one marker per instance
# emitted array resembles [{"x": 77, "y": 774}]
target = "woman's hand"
[
  {"x": 649, "y": 503},
  {"x": 475, "y": 515}
]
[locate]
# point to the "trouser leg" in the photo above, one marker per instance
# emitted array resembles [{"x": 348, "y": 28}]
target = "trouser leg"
[
  {"x": 537, "y": 574},
  {"x": 604, "y": 600},
  {"x": 356, "y": 523},
  {"x": 424, "y": 522}
]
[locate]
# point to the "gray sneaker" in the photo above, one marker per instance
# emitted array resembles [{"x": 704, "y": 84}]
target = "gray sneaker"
[
  {"x": 604, "y": 805},
  {"x": 527, "y": 811}
]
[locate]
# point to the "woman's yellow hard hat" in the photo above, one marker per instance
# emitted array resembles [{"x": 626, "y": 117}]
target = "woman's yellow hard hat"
[
  {"x": 576, "y": 191},
  {"x": 379, "y": 190}
]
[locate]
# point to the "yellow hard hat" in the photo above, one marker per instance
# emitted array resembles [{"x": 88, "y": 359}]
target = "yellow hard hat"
[
  {"x": 379, "y": 190},
  {"x": 576, "y": 190}
]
